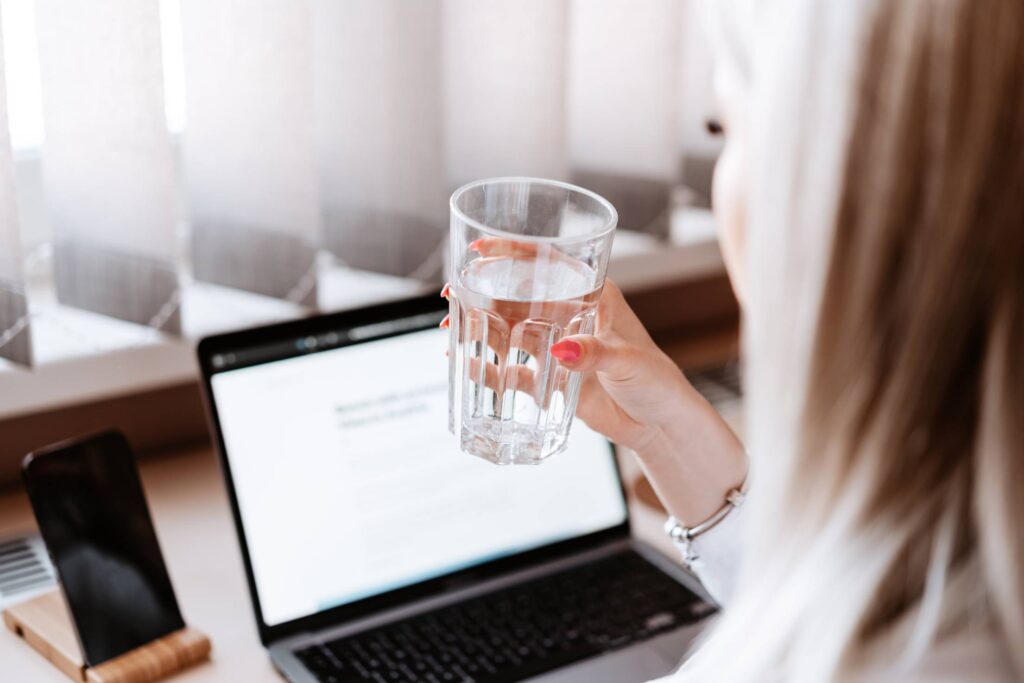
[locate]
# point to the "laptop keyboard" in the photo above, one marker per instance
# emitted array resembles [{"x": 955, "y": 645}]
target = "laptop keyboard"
[{"x": 518, "y": 632}]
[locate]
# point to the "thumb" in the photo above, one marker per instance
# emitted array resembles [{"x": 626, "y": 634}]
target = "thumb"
[{"x": 586, "y": 353}]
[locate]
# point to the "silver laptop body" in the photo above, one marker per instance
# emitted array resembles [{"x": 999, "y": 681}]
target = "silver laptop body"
[{"x": 256, "y": 378}]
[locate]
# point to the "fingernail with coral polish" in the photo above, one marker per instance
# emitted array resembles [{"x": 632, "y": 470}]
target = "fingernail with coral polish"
[
  {"x": 444, "y": 291},
  {"x": 444, "y": 323},
  {"x": 567, "y": 350},
  {"x": 475, "y": 245}
]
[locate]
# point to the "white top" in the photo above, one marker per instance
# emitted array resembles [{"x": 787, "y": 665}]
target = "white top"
[{"x": 975, "y": 656}]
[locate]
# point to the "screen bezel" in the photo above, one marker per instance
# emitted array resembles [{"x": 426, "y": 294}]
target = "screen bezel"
[
  {"x": 234, "y": 342},
  {"x": 111, "y": 442}
]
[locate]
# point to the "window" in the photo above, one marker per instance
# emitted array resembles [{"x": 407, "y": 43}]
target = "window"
[{"x": 303, "y": 157}]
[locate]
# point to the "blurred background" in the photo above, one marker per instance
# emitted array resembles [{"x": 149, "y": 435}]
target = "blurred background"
[{"x": 172, "y": 168}]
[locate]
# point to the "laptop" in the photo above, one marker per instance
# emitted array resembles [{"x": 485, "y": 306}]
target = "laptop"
[{"x": 375, "y": 550}]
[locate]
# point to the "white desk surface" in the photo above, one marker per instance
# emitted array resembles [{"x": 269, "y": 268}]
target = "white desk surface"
[{"x": 193, "y": 521}]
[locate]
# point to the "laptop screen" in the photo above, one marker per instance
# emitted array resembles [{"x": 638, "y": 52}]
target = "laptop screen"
[{"x": 349, "y": 485}]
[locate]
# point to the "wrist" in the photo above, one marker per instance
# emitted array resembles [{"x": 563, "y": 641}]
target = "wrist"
[
  {"x": 693, "y": 462},
  {"x": 688, "y": 427},
  {"x": 679, "y": 404}
]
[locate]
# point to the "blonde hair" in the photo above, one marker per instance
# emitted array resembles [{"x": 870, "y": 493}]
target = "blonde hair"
[{"x": 883, "y": 335}]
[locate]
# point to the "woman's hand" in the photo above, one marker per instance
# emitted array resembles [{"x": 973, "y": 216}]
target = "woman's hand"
[
  {"x": 637, "y": 396},
  {"x": 631, "y": 389}
]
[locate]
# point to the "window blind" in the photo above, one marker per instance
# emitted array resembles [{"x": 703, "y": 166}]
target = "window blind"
[
  {"x": 377, "y": 71},
  {"x": 107, "y": 160},
  {"x": 14, "y": 318},
  {"x": 622, "y": 101},
  {"x": 504, "y": 88},
  {"x": 249, "y": 163}
]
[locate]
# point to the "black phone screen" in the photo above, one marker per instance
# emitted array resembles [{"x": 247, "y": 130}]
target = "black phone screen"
[{"x": 92, "y": 514}]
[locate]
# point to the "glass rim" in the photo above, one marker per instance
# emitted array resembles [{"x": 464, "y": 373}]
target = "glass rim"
[{"x": 608, "y": 226}]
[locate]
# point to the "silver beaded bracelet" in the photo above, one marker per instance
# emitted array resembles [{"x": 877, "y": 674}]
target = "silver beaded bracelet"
[{"x": 683, "y": 537}]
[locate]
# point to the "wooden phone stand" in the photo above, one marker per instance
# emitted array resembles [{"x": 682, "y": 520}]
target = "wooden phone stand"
[{"x": 45, "y": 623}]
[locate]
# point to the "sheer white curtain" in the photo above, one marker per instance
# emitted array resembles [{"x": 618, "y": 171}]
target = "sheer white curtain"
[
  {"x": 504, "y": 88},
  {"x": 107, "y": 160},
  {"x": 248, "y": 145},
  {"x": 322, "y": 136},
  {"x": 377, "y": 65},
  {"x": 14, "y": 318},
  {"x": 416, "y": 98},
  {"x": 623, "y": 80}
]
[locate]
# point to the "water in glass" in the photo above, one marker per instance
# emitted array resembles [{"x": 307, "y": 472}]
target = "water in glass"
[{"x": 514, "y": 400}]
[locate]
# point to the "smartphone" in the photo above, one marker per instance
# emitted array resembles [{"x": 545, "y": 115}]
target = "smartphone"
[{"x": 92, "y": 515}]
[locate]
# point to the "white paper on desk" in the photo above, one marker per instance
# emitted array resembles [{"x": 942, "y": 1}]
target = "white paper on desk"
[{"x": 25, "y": 569}]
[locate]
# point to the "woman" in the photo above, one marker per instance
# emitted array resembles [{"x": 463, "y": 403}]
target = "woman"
[{"x": 870, "y": 200}]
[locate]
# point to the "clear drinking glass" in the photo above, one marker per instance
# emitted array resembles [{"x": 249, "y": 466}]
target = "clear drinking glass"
[{"x": 528, "y": 261}]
